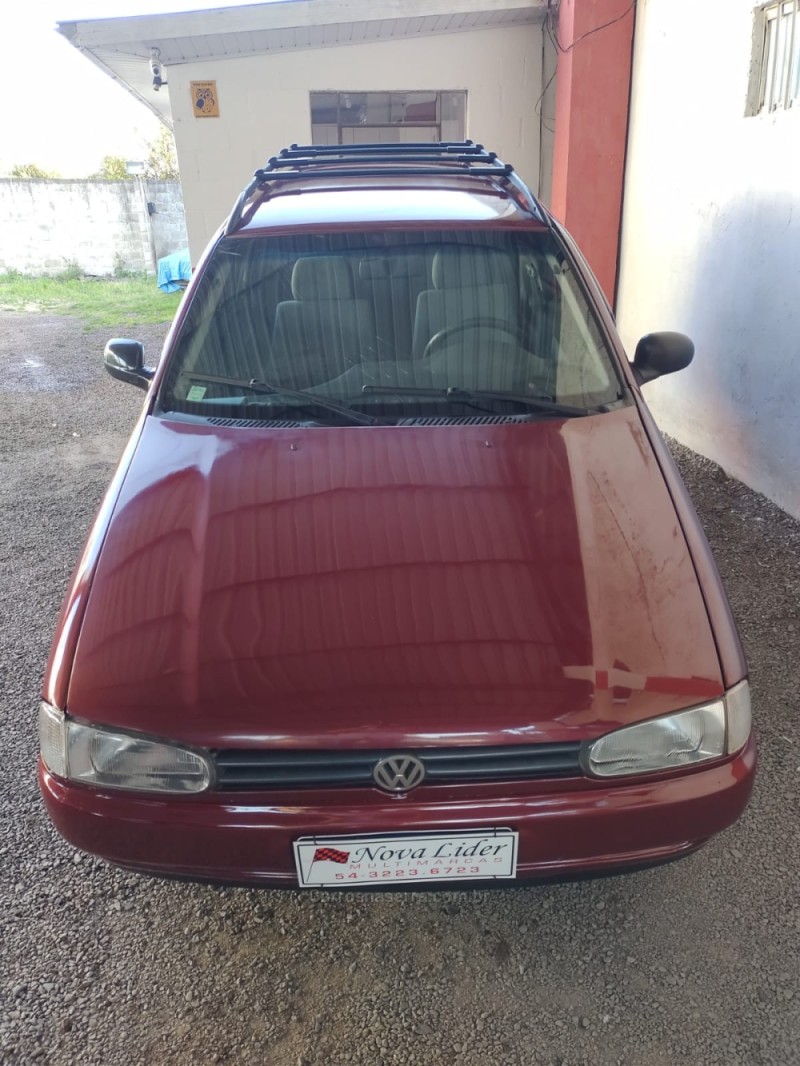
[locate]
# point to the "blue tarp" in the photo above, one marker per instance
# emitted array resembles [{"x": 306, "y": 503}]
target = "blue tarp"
[{"x": 173, "y": 269}]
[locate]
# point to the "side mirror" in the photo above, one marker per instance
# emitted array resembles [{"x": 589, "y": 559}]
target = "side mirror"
[
  {"x": 661, "y": 353},
  {"x": 124, "y": 360}
]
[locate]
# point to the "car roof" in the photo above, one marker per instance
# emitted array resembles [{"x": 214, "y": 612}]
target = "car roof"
[
  {"x": 446, "y": 182},
  {"x": 387, "y": 200}
]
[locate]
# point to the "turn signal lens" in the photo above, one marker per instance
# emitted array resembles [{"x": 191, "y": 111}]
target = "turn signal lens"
[
  {"x": 104, "y": 758},
  {"x": 53, "y": 739},
  {"x": 740, "y": 722}
]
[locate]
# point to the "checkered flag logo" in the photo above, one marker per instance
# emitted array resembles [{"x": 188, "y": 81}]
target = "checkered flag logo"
[{"x": 330, "y": 855}]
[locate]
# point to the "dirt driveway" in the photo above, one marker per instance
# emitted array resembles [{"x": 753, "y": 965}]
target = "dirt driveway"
[{"x": 695, "y": 963}]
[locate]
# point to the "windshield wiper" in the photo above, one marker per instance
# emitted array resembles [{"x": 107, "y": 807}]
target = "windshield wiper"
[
  {"x": 455, "y": 392},
  {"x": 308, "y": 399}
]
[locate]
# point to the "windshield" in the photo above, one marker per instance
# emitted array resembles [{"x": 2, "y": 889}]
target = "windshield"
[{"x": 392, "y": 324}]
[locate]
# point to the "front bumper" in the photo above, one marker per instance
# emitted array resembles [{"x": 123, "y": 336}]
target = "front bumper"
[{"x": 567, "y": 828}]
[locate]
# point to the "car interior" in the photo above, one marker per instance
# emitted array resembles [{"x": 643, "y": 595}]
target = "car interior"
[{"x": 337, "y": 313}]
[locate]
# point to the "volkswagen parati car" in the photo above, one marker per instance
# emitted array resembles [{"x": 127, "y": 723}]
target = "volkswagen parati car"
[{"x": 396, "y": 582}]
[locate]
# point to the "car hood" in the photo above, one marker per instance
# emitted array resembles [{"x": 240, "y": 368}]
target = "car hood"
[{"x": 509, "y": 582}]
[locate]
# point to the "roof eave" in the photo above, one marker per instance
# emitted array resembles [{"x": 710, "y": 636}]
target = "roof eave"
[
  {"x": 70, "y": 31},
  {"x": 132, "y": 29}
]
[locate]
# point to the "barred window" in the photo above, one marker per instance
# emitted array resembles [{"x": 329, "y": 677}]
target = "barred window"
[
  {"x": 777, "y": 56},
  {"x": 392, "y": 117}
]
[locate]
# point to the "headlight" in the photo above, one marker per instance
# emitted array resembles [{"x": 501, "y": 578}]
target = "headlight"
[
  {"x": 102, "y": 757},
  {"x": 676, "y": 740}
]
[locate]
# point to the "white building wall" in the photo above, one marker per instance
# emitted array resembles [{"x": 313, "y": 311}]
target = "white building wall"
[
  {"x": 711, "y": 241},
  {"x": 264, "y": 104}
]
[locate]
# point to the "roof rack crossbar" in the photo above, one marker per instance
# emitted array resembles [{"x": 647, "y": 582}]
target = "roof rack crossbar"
[
  {"x": 385, "y": 157},
  {"x": 498, "y": 171},
  {"x": 343, "y": 149},
  {"x": 452, "y": 159}
]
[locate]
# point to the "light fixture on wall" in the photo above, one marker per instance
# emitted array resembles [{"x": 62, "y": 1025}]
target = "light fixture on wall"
[{"x": 156, "y": 68}]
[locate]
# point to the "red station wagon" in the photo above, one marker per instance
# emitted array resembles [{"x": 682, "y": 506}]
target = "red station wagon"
[{"x": 396, "y": 582}]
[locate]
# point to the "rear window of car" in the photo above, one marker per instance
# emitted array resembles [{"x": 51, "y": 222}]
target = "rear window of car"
[{"x": 387, "y": 322}]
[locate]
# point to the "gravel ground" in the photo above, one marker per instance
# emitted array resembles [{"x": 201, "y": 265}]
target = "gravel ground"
[{"x": 692, "y": 963}]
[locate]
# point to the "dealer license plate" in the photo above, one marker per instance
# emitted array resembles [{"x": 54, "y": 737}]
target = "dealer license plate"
[{"x": 403, "y": 858}]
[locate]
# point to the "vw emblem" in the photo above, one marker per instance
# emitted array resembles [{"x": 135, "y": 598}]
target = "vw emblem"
[{"x": 398, "y": 773}]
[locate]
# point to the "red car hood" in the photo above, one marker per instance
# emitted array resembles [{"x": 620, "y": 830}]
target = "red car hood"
[{"x": 384, "y": 587}]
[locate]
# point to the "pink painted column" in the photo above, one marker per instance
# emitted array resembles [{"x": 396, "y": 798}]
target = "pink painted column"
[{"x": 592, "y": 97}]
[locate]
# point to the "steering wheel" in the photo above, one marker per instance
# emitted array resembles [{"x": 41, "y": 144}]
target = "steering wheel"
[{"x": 444, "y": 336}]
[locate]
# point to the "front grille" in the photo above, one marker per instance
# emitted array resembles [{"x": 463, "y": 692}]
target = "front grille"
[{"x": 311, "y": 769}]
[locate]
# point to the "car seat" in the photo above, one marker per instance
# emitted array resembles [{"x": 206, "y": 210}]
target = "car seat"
[
  {"x": 324, "y": 330},
  {"x": 468, "y": 284}
]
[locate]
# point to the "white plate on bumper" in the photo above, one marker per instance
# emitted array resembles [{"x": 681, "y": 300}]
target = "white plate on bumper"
[{"x": 471, "y": 855}]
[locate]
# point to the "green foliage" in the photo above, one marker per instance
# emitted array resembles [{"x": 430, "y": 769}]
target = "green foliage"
[
  {"x": 71, "y": 271},
  {"x": 32, "y": 170},
  {"x": 114, "y": 168},
  {"x": 114, "y": 304},
  {"x": 120, "y": 270},
  {"x": 161, "y": 161}
]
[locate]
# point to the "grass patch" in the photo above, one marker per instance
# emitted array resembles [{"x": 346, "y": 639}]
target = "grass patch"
[{"x": 103, "y": 303}]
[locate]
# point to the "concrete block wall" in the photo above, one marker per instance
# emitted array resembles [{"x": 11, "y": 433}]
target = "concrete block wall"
[
  {"x": 169, "y": 220},
  {"x": 102, "y": 226}
]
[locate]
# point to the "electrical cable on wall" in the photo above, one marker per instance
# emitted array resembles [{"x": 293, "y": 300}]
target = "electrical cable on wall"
[{"x": 552, "y": 32}]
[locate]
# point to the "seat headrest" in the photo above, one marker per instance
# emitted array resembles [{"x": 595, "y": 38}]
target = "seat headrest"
[
  {"x": 322, "y": 277},
  {"x": 383, "y": 268},
  {"x": 468, "y": 268}
]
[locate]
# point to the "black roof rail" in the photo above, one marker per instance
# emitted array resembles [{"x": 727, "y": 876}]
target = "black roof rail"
[{"x": 454, "y": 159}]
